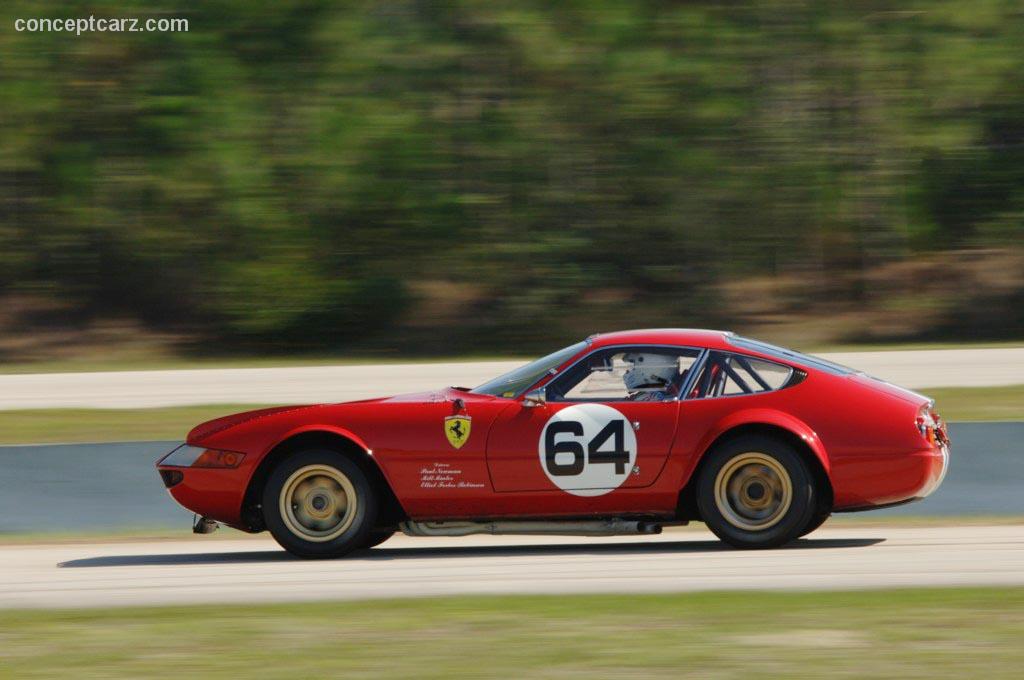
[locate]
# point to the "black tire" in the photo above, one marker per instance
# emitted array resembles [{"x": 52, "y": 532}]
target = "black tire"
[
  {"x": 378, "y": 536},
  {"x": 817, "y": 519},
  {"x": 325, "y": 472},
  {"x": 770, "y": 459}
]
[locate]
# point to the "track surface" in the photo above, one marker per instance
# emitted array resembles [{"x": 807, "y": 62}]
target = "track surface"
[
  {"x": 207, "y": 569},
  {"x": 303, "y": 385}
]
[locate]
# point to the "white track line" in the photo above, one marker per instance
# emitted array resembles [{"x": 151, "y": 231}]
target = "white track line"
[{"x": 315, "y": 384}]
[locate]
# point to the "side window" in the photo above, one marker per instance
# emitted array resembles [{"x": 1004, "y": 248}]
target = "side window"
[
  {"x": 727, "y": 374},
  {"x": 625, "y": 374}
]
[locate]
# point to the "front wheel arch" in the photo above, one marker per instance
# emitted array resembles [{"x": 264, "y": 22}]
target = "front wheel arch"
[
  {"x": 686, "y": 506},
  {"x": 390, "y": 511}
]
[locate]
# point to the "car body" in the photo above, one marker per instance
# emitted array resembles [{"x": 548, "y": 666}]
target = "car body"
[{"x": 562, "y": 447}]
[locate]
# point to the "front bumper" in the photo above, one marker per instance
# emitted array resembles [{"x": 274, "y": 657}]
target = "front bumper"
[{"x": 216, "y": 493}]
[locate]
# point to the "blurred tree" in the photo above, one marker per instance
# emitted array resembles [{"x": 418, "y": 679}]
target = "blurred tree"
[{"x": 293, "y": 174}]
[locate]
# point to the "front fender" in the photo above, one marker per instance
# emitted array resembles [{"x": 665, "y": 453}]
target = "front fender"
[
  {"x": 269, "y": 458},
  {"x": 321, "y": 429},
  {"x": 318, "y": 427}
]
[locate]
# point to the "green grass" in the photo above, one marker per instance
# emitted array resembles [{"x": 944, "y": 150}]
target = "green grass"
[
  {"x": 979, "y": 403},
  {"x": 96, "y": 425},
  {"x": 40, "y": 426},
  {"x": 933, "y": 633}
]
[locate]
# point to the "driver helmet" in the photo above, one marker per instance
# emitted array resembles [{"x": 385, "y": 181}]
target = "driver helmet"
[{"x": 649, "y": 371}]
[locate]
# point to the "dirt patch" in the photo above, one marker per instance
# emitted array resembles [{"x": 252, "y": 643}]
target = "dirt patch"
[{"x": 806, "y": 639}]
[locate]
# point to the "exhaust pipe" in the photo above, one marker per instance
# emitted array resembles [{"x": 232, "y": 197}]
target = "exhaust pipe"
[
  {"x": 204, "y": 525},
  {"x": 609, "y": 527}
]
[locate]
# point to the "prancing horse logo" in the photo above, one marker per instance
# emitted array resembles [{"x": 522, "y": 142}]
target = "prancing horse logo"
[{"x": 456, "y": 429}]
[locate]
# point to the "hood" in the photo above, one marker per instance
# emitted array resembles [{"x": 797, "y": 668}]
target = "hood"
[
  {"x": 208, "y": 429},
  {"x": 212, "y": 427}
]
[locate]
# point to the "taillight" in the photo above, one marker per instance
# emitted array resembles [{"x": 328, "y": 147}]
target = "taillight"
[
  {"x": 929, "y": 424},
  {"x": 212, "y": 458}
]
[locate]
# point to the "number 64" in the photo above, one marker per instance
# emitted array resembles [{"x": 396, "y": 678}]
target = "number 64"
[{"x": 614, "y": 430}]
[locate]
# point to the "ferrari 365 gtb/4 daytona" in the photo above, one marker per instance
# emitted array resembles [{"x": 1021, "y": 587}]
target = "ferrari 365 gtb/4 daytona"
[{"x": 622, "y": 433}]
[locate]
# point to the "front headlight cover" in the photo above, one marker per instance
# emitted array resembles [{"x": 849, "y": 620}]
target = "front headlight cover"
[
  {"x": 199, "y": 456},
  {"x": 183, "y": 456}
]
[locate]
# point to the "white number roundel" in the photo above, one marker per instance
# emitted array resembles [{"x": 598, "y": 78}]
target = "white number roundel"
[{"x": 587, "y": 449}]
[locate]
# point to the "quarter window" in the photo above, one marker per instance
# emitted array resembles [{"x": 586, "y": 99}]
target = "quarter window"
[{"x": 726, "y": 374}]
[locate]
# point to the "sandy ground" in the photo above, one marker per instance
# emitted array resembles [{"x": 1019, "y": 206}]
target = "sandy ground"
[
  {"x": 313, "y": 384},
  {"x": 219, "y": 569}
]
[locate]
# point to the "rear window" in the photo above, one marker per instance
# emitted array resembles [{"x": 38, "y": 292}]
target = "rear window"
[{"x": 790, "y": 355}]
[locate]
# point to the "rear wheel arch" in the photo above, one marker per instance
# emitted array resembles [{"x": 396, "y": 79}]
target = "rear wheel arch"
[
  {"x": 390, "y": 511},
  {"x": 687, "y": 503}
]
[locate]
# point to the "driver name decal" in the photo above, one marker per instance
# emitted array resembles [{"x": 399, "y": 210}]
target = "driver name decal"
[
  {"x": 444, "y": 476},
  {"x": 587, "y": 449}
]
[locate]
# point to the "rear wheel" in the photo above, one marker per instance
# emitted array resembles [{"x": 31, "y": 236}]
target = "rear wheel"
[
  {"x": 318, "y": 503},
  {"x": 822, "y": 513},
  {"x": 755, "y": 491}
]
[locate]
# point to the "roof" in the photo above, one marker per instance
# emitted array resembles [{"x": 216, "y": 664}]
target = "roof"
[
  {"x": 695, "y": 337},
  {"x": 719, "y": 340}
]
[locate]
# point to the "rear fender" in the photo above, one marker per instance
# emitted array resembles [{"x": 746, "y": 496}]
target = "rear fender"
[{"x": 760, "y": 417}]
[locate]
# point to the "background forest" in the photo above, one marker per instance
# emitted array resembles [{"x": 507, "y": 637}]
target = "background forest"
[{"x": 429, "y": 178}]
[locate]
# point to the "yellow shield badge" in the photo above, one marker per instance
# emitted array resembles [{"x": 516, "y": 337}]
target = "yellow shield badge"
[{"x": 456, "y": 429}]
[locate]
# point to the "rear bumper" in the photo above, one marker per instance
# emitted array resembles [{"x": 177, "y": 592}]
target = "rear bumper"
[
  {"x": 866, "y": 483},
  {"x": 937, "y": 463}
]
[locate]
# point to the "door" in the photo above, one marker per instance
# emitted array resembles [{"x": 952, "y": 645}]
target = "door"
[{"x": 607, "y": 422}]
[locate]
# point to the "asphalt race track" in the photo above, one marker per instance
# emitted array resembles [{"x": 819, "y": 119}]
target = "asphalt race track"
[
  {"x": 107, "y": 486},
  {"x": 208, "y": 569}
]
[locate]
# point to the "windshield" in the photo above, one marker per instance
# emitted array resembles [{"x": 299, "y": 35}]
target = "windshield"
[
  {"x": 514, "y": 383},
  {"x": 791, "y": 355}
]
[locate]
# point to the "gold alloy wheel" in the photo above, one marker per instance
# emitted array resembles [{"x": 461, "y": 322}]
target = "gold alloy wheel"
[
  {"x": 753, "y": 491},
  {"x": 318, "y": 503}
]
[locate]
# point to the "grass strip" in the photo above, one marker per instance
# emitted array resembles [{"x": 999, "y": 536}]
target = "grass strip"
[
  {"x": 43, "y": 426},
  {"x": 926, "y": 633}
]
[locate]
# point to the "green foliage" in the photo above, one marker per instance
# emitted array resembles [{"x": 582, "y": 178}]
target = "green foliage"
[{"x": 287, "y": 173}]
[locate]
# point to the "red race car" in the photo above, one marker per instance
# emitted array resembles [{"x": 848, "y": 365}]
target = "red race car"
[{"x": 622, "y": 433}]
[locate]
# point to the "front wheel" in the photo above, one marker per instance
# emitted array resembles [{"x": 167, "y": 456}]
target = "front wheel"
[
  {"x": 318, "y": 503},
  {"x": 756, "y": 492}
]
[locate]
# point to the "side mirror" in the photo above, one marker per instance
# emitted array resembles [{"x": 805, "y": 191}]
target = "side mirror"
[{"x": 535, "y": 398}]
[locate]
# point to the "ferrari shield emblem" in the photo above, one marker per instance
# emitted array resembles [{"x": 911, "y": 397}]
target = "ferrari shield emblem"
[{"x": 456, "y": 429}]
